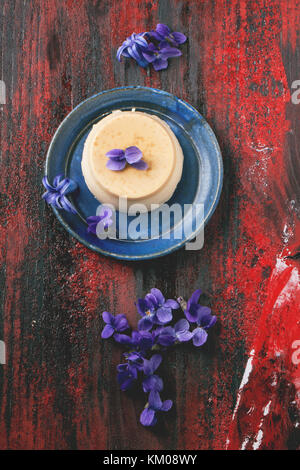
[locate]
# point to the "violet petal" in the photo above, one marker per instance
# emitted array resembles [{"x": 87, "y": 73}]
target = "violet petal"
[
  {"x": 116, "y": 165},
  {"x": 164, "y": 315},
  {"x": 107, "y": 317},
  {"x": 155, "y": 400},
  {"x": 184, "y": 336},
  {"x": 172, "y": 304},
  {"x": 145, "y": 324},
  {"x": 158, "y": 296},
  {"x": 199, "y": 337},
  {"x": 133, "y": 154},
  {"x": 147, "y": 417},
  {"x": 141, "y": 165},
  {"x": 107, "y": 332},
  {"x": 166, "y": 405},
  {"x": 163, "y": 30},
  {"x": 168, "y": 51},
  {"x": 160, "y": 64},
  {"x": 152, "y": 382},
  {"x": 181, "y": 326},
  {"x": 115, "y": 153}
]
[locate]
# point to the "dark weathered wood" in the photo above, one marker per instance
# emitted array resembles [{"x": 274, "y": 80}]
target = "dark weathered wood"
[{"x": 58, "y": 388}]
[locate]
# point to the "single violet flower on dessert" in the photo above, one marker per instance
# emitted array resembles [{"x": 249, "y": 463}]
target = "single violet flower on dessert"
[
  {"x": 56, "y": 193},
  {"x": 118, "y": 159},
  {"x": 116, "y": 323},
  {"x": 158, "y": 56},
  {"x": 133, "y": 47},
  {"x": 163, "y": 33},
  {"x": 104, "y": 219},
  {"x": 155, "y": 404}
]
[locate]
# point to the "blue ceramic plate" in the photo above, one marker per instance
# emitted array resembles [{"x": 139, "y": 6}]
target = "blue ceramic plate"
[{"x": 201, "y": 181}]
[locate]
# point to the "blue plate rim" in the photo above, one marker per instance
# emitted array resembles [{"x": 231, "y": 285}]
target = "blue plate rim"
[{"x": 173, "y": 248}]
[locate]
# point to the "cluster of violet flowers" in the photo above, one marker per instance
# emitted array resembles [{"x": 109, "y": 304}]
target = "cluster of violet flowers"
[
  {"x": 155, "y": 333},
  {"x": 153, "y": 47}
]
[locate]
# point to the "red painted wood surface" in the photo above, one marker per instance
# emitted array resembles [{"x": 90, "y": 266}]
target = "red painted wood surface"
[{"x": 58, "y": 389}]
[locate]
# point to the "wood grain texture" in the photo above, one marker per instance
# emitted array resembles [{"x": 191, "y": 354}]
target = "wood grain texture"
[{"x": 58, "y": 389}]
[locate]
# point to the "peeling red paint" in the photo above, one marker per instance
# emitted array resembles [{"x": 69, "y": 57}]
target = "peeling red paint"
[{"x": 271, "y": 379}]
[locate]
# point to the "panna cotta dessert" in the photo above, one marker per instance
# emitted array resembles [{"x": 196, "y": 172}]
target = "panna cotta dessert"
[{"x": 133, "y": 155}]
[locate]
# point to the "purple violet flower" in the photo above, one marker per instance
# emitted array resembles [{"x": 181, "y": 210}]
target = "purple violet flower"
[
  {"x": 139, "y": 339},
  {"x": 158, "y": 56},
  {"x": 113, "y": 323},
  {"x": 163, "y": 307},
  {"x": 143, "y": 340},
  {"x": 133, "y": 47},
  {"x": 148, "y": 415},
  {"x": 123, "y": 339},
  {"x": 166, "y": 336},
  {"x": 194, "y": 312},
  {"x": 104, "y": 219},
  {"x": 205, "y": 321},
  {"x": 163, "y": 33},
  {"x": 135, "y": 359},
  {"x": 56, "y": 193},
  {"x": 125, "y": 377},
  {"x": 148, "y": 312},
  {"x": 150, "y": 365},
  {"x": 128, "y": 372},
  {"x": 118, "y": 159},
  {"x": 155, "y": 309},
  {"x": 152, "y": 381}
]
